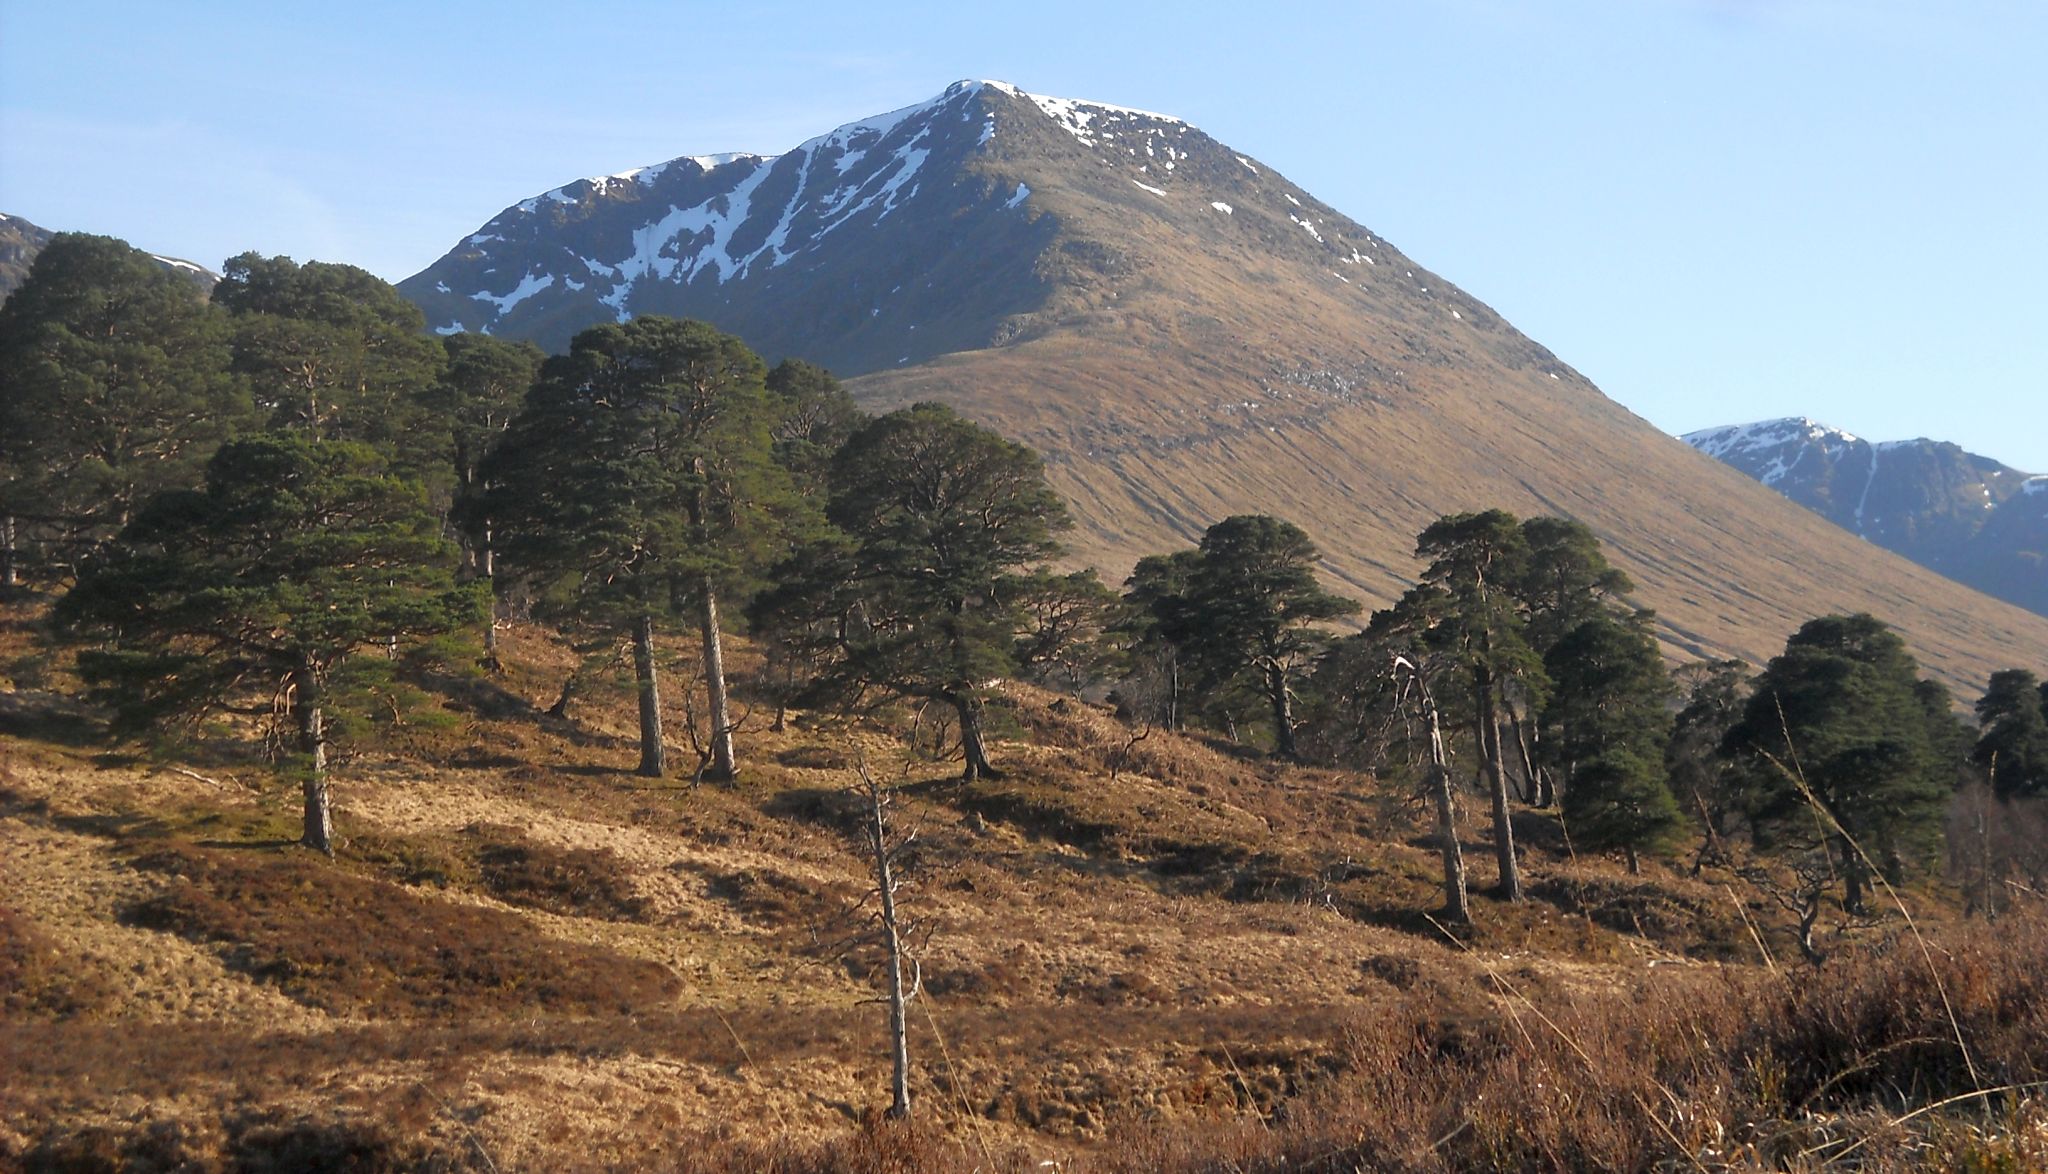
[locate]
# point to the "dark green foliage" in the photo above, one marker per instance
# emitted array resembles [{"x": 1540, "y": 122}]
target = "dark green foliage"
[
  {"x": 2013, "y": 745},
  {"x": 1714, "y": 693},
  {"x": 482, "y": 385},
  {"x": 295, "y": 551},
  {"x": 113, "y": 386},
  {"x": 1070, "y": 627},
  {"x": 943, "y": 514},
  {"x": 638, "y": 467},
  {"x": 816, "y": 417},
  {"x": 1840, "y": 711},
  {"x": 1565, "y": 579},
  {"x": 1251, "y": 608},
  {"x": 637, "y": 482},
  {"x": 333, "y": 353},
  {"x": 1608, "y": 700}
]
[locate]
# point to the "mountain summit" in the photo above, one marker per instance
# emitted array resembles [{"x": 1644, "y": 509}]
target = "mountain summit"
[
  {"x": 1967, "y": 516},
  {"x": 1185, "y": 335}
]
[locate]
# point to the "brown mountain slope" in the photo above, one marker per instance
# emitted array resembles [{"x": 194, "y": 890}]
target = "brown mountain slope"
[
  {"x": 1235, "y": 362},
  {"x": 1185, "y": 335}
]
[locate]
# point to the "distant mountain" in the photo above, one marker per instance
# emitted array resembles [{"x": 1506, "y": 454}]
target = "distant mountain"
[
  {"x": 1967, "y": 516},
  {"x": 20, "y": 241},
  {"x": 1185, "y": 334}
]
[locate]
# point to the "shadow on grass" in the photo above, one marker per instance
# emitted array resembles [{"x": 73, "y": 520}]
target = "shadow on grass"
[{"x": 53, "y": 718}]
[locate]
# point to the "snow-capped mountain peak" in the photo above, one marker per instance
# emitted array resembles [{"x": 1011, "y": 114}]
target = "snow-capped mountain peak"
[{"x": 976, "y": 161}]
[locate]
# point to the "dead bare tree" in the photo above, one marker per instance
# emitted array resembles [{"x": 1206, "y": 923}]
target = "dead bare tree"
[
  {"x": 1121, "y": 757},
  {"x": 890, "y": 931}
]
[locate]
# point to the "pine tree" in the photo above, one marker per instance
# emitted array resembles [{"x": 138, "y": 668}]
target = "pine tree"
[
  {"x": 482, "y": 385},
  {"x": 1251, "y": 611},
  {"x": 1158, "y": 625},
  {"x": 1466, "y": 603},
  {"x": 944, "y": 515},
  {"x": 294, "y": 556},
  {"x": 1699, "y": 775},
  {"x": 2013, "y": 744},
  {"x": 1608, "y": 700},
  {"x": 113, "y": 386},
  {"x": 637, "y": 483},
  {"x": 333, "y": 353},
  {"x": 1837, "y": 717}
]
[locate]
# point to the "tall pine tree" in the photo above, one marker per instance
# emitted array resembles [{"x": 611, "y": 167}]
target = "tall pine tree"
[
  {"x": 114, "y": 385},
  {"x": 295, "y": 555},
  {"x": 638, "y": 484}
]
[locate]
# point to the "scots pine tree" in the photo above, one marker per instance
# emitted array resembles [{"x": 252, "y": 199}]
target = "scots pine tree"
[
  {"x": 637, "y": 484},
  {"x": 1836, "y": 720},
  {"x": 1608, "y": 700},
  {"x": 945, "y": 517},
  {"x": 2013, "y": 744},
  {"x": 295, "y": 555},
  {"x": 114, "y": 386}
]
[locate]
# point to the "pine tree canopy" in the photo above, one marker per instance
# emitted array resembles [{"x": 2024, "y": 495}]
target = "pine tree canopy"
[{"x": 295, "y": 554}]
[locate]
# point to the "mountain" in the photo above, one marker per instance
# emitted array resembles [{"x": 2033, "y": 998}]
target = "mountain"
[
  {"x": 1185, "y": 334},
  {"x": 21, "y": 241},
  {"x": 1967, "y": 516}
]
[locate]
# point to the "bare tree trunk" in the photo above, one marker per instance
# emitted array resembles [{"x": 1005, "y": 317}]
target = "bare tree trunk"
[
  {"x": 1497, "y": 784},
  {"x": 1536, "y": 791},
  {"x": 1456, "y": 907},
  {"x": 1283, "y": 713},
  {"x": 892, "y": 946},
  {"x": 10, "y": 571},
  {"x": 487, "y": 563},
  {"x": 318, "y": 826},
  {"x": 972, "y": 748},
  {"x": 721, "y": 768},
  {"x": 653, "y": 757}
]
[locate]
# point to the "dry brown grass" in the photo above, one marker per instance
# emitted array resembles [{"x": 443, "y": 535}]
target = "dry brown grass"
[{"x": 523, "y": 952}]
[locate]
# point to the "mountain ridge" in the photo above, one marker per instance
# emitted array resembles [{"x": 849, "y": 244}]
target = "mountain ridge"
[
  {"x": 1185, "y": 334},
  {"x": 1965, "y": 516}
]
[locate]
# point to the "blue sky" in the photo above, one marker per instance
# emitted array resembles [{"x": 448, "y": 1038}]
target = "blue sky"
[{"x": 1720, "y": 210}]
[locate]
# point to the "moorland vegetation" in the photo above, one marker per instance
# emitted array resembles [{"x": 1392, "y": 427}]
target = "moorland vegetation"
[{"x": 1184, "y": 863}]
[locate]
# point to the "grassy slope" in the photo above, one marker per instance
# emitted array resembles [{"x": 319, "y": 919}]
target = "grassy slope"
[{"x": 525, "y": 952}]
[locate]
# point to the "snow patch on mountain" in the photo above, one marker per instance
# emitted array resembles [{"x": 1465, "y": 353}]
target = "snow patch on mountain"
[{"x": 528, "y": 286}]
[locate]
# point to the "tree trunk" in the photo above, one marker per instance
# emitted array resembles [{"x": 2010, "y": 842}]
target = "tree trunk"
[
  {"x": 653, "y": 757},
  {"x": 1537, "y": 791},
  {"x": 1456, "y": 907},
  {"x": 1635, "y": 865},
  {"x": 1852, "y": 878},
  {"x": 1283, "y": 713},
  {"x": 1497, "y": 784},
  {"x": 892, "y": 945},
  {"x": 968, "y": 707},
  {"x": 721, "y": 768},
  {"x": 318, "y": 826},
  {"x": 487, "y": 563},
  {"x": 10, "y": 570}
]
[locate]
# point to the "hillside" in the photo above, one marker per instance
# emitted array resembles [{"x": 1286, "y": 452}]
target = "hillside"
[
  {"x": 1980, "y": 522},
  {"x": 1185, "y": 335},
  {"x": 21, "y": 241},
  {"x": 1138, "y": 953}
]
